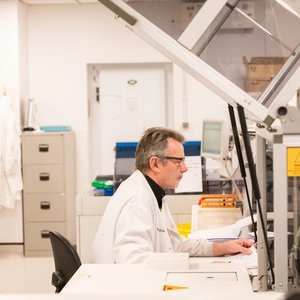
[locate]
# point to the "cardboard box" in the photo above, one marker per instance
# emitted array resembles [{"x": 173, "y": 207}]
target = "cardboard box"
[
  {"x": 264, "y": 68},
  {"x": 261, "y": 70},
  {"x": 256, "y": 85}
]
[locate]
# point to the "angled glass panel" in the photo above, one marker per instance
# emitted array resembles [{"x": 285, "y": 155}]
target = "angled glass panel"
[
  {"x": 171, "y": 16},
  {"x": 257, "y": 41},
  {"x": 248, "y": 50}
]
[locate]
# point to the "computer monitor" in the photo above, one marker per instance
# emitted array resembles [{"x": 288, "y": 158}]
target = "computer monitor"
[{"x": 215, "y": 139}]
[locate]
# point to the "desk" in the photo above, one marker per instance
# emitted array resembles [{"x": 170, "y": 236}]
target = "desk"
[
  {"x": 165, "y": 296},
  {"x": 138, "y": 278}
]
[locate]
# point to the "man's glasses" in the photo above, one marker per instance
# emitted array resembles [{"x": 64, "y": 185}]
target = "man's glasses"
[{"x": 178, "y": 160}]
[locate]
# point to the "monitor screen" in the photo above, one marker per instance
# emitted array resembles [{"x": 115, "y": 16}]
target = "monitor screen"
[{"x": 215, "y": 139}]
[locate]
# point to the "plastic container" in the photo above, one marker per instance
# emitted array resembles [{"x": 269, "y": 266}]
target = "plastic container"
[
  {"x": 184, "y": 229},
  {"x": 103, "y": 184},
  {"x": 126, "y": 150},
  {"x": 103, "y": 192},
  {"x": 61, "y": 128}
]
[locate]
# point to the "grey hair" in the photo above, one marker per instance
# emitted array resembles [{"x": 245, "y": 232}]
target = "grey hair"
[{"x": 154, "y": 143}]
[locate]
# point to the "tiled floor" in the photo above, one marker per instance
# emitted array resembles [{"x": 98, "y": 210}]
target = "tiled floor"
[{"x": 19, "y": 274}]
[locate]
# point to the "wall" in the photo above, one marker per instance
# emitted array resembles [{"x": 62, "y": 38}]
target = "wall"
[
  {"x": 13, "y": 76},
  {"x": 63, "y": 40},
  {"x": 9, "y": 59},
  {"x": 23, "y": 58}
]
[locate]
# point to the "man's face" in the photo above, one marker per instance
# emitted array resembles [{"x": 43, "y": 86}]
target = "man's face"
[{"x": 171, "y": 169}]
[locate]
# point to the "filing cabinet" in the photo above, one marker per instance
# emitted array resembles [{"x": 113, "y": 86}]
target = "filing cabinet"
[{"x": 49, "y": 178}]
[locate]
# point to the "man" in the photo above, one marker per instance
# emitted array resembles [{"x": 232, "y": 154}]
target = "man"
[{"x": 137, "y": 220}]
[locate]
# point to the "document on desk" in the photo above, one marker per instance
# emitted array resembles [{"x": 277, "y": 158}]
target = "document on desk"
[
  {"x": 224, "y": 233},
  {"x": 249, "y": 260}
]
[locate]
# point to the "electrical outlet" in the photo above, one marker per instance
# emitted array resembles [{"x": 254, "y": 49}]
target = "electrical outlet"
[{"x": 185, "y": 125}]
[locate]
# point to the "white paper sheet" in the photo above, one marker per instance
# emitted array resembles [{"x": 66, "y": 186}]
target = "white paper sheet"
[
  {"x": 227, "y": 232},
  {"x": 192, "y": 179}
]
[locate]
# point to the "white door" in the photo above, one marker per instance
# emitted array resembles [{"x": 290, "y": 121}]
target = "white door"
[{"x": 131, "y": 100}]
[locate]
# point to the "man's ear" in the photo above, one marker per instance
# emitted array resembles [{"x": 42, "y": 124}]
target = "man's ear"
[{"x": 154, "y": 161}]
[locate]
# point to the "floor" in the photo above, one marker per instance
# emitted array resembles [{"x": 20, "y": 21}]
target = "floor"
[{"x": 19, "y": 274}]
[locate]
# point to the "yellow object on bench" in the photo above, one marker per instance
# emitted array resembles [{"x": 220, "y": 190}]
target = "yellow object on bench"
[{"x": 184, "y": 229}]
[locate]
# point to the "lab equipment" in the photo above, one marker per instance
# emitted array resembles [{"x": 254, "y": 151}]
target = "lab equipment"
[
  {"x": 269, "y": 25},
  {"x": 215, "y": 139},
  {"x": 211, "y": 218},
  {"x": 125, "y": 161},
  {"x": 191, "y": 44},
  {"x": 103, "y": 187},
  {"x": 30, "y": 115},
  {"x": 169, "y": 261},
  {"x": 218, "y": 200},
  {"x": 131, "y": 279}
]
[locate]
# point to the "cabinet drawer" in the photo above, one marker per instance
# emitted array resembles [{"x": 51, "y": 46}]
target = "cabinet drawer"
[
  {"x": 44, "y": 179},
  {"x": 38, "y": 150},
  {"x": 37, "y": 234},
  {"x": 44, "y": 207}
]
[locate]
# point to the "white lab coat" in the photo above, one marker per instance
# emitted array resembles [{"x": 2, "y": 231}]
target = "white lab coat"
[
  {"x": 133, "y": 227},
  {"x": 11, "y": 183}
]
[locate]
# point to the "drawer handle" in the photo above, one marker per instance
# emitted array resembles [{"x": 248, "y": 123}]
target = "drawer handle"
[
  {"x": 44, "y": 148},
  {"x": 44, "y": 176},
  {"x": 45, "y": 205},
  {"x": 45, "y": 234}
]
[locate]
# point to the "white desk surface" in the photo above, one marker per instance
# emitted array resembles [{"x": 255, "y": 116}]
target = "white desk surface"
[
  {"x": 220, "y": 278},
  {"x": 164, "y": 296}
]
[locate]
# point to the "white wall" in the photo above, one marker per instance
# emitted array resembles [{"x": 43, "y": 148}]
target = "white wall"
[
  {"x": 13, "y": 76},
  {"x": 9, "y": 60},
  {"x": 63, "y": 39},
  {"x": 23, "y": 57}
]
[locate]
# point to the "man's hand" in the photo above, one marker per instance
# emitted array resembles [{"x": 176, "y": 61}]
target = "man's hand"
[{"x": 232, "y": 247}]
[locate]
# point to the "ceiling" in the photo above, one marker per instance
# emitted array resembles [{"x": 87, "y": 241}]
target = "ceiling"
[{"x": 40, "y": 2}]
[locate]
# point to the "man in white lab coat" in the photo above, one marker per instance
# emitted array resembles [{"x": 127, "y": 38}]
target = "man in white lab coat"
[{"x": 137, "y": 220}]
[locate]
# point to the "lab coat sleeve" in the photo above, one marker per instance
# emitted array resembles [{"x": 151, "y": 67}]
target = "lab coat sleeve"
[
  {"x": 200, "y": 247},
  {"x": 134, "y": 234}
]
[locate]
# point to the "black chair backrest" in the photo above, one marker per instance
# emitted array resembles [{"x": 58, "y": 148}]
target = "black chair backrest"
[
  {"x": 293, "y": 295},
  {"x": 66, "y": 260}
]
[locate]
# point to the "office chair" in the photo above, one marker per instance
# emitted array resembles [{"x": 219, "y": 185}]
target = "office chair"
[
  {"x": 294, "y": 295},
  {"x": 66, "y": 260}
]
